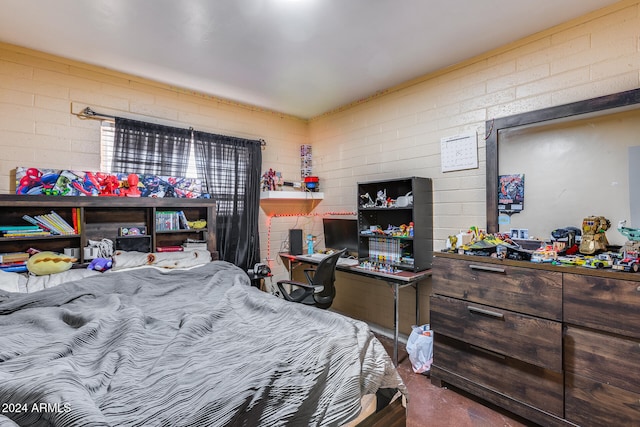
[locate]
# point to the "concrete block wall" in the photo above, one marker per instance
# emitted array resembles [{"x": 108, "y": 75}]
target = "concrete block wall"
[
  {"x": 398, "y": 133},
  {"x": 39, "y": 93}
]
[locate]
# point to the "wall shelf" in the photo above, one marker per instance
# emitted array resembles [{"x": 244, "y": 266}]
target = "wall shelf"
[{"x": 289, "y": 202}]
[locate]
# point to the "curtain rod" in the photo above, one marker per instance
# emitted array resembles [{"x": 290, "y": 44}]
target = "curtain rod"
[{"x": 88, "y": 113}]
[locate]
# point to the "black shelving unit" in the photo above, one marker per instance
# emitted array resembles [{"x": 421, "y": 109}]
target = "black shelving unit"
[{"x": 412, "y": 253}]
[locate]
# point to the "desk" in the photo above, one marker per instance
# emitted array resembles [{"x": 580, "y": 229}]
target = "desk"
[{"x": 394, "y": 280}]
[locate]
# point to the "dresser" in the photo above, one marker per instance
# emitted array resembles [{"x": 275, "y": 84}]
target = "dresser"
[{"x": 557, "y": 345}]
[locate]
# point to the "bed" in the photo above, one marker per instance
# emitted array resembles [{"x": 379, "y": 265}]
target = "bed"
[{"x": 181, "y": 347}]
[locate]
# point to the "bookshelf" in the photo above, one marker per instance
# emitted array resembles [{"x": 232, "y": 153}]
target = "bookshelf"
[
  {"x": 412, "y": 252},
  {"x": 104, "y": 217}
]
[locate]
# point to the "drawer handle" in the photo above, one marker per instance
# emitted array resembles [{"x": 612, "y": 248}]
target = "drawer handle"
[
  {"x": 486, "y": 268},
  {"x": 485, "y": 312},
  {"x": 489, "y": 352}
]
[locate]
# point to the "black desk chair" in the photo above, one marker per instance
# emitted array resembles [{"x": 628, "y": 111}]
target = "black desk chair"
[{"x": 320, "y": 290}]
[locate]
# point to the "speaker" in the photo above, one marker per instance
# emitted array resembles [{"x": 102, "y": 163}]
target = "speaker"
[{"x": 295, "y": 241}]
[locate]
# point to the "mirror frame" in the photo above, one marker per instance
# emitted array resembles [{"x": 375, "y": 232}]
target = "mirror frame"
[{"x": 586, "y": 108}]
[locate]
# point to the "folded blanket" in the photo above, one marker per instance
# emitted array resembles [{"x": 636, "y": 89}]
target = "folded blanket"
[{"x": 124, "y": 259}]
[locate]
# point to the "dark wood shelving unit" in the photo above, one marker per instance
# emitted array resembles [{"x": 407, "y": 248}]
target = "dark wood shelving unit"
[
  {"x": 102, "y": 217},
  {"x": 420, "y": 212}
]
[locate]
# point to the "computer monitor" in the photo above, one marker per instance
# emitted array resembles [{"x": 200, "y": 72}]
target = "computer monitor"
[{"x": 341, "y": 233}]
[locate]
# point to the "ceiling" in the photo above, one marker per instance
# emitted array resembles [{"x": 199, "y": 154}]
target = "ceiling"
[{"x": 298, "y": 57}]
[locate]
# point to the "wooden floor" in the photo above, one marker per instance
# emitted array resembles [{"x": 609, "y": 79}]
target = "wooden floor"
[{"x": 444, "y": 407}]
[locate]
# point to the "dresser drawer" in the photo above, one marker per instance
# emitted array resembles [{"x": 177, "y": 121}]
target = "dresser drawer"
[
  {"x": 524, "y": 290},
  {"x": 603, "y": 358},
  {"x": 602, "y": 303},
  {"x": 523, "y": 382},
  {"x": 591, "y": 403},
  {"x": 530, "y": 339}
]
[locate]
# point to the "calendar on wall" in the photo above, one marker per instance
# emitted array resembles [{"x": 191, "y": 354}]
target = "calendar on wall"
[{"x": 459, "y": 152}]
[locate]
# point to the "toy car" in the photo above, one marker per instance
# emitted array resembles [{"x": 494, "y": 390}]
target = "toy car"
[
  {"x": 544, "y": 254},
  {"x": 630, "y": 262},
  {"x": 599, "y": 261},
  {"x": 571, "y": 260}
]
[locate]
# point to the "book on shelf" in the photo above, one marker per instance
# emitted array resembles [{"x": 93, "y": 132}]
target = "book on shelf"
[
  {"x": 15, "y": 268},
  {"x": 11, "y": 257},
  {"x": 194, "y": 244},
  {"x": 51, "y": 222},
  {"x": 75, "y": 217},
  {"x": 59, "y": 221},
  {"x": 12, "y": 264},
  {"x": 183, "y": 220},
  {"x": 169, "y": 249},
  {"x": 19, "y": 227},
  {"x": 21, "y": 231},
  {"x": 36, "y": 223}
]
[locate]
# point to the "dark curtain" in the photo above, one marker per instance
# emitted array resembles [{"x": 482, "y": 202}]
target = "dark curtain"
[
  {"x": 230, "y": 168},
  {"x": 147, "y": 148}
]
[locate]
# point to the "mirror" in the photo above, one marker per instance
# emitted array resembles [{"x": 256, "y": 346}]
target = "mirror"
[{"x": 577, "y": 159}]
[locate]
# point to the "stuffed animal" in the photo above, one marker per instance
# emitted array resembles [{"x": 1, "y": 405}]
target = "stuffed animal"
[
  {"x": 100, "y": 264},
  {"x": 47, "y": 262}
]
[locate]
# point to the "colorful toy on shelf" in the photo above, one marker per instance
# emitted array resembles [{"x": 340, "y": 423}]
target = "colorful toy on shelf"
[
  {"x": 632, "y": 234},
  {"x": 47, "y": 262},
  {"x": 271, "y": 180},
  {"x": 109, "y": 185},
  {"x": 381, "y": 199},
  {"x": 594, "y": 239},
  {"x": 197, "y": 224},
  {"x": 369, "y": 203},
  {"x": 100, "y": 264},
  {"x": 568, "y": 237},
  {"x": 603, "y": 260},
  {"x": 311, "y": 183},
  {"x": 35, "y": 181},
  {"x": 53, "y": 182},
  {"x": 132, "y": 187},
  {"x": 544, "y": 254},
  {"x": 630, "y": 262}
]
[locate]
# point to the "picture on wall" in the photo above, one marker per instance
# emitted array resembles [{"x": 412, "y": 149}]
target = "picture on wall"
[{"x": 56, "y": 182}]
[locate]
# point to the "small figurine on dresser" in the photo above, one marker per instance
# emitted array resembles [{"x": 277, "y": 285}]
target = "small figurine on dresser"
[{"x": 594, "y": 238}]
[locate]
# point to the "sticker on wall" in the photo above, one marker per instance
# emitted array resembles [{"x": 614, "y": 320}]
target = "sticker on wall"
[{"x": 504, "y": 219}]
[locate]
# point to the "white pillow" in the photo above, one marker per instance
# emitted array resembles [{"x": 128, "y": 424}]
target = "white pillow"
[{"x": 12, "y": 282}]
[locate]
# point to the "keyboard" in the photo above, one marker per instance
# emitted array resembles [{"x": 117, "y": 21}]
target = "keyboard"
[
  {"x": 313, "y": 257},
  {"x": 318, "y": 255},
  {"x": 348, "y": 261}
]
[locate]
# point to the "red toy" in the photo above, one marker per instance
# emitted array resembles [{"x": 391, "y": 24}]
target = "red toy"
[{"x": 132, "y": 190}]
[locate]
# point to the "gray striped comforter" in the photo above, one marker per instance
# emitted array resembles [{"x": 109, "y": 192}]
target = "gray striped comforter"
[{"x": 181, "y": 348}]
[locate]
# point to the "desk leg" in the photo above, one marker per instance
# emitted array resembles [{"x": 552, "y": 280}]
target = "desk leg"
[
  {"x": 396, "y": 295},
  {"x": 417, "y": 306}
]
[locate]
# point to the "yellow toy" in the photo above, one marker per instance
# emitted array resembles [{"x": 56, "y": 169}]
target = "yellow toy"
[
  {"x": 44, "y": 263},
  {"x": 198, "y": 224}
]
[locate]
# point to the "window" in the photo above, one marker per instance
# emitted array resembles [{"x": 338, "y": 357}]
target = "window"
[
  {"x": 229, "y": 166},
  {"x": 107, "y": 138}
]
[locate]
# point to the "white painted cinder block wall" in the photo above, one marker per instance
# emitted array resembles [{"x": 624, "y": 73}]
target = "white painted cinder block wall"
[
  {"x": 394, "y": 134},
  {"x": 398, "y": 133}
]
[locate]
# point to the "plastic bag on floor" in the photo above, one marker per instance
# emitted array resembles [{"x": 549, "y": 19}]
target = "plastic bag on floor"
[{"x": 420, "y": 348}]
